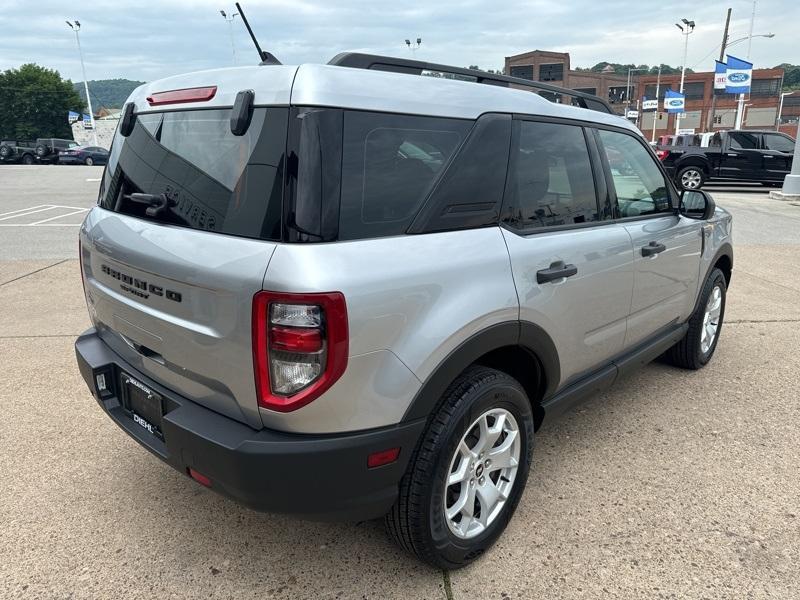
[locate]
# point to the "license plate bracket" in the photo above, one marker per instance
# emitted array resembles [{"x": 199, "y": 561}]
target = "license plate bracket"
[{"x": 144, "y": 406}]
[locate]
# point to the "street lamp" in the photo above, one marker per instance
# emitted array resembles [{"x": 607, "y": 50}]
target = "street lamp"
[
  {"x": 628, "y": 90},
  {"x": 230, "y": 19},
  {"x": 413, "y": 47},
  {"x": 745, "y": 38},
  {"x": 76, "y": 28},
  {"x": 686, "y": 29}
]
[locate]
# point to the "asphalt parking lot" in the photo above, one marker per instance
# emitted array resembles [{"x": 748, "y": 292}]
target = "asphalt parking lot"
[{"x": 673, "y": 484}]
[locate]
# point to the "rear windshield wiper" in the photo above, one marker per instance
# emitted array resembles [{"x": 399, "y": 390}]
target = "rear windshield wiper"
[{"x": 157, "y": 203}]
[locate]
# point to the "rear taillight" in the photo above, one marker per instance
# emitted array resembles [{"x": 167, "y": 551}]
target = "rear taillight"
[
  {"x": 662, "y": 154},
  {"x": 300, "y": 345}
]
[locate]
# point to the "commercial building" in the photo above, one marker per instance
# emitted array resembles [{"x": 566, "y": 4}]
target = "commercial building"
[
  {"x": 554, "y": 68},
  {"x": 760, "y": 106}
]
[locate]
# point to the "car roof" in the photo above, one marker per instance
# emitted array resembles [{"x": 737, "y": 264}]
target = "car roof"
[{"x": 364, "y": 89}]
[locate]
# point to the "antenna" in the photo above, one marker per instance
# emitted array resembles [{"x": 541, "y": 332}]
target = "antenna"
[{"x": 266, "y": 57}]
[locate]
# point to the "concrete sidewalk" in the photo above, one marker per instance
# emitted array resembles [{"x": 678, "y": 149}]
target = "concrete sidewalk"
[{"x": 673, "y": 484}]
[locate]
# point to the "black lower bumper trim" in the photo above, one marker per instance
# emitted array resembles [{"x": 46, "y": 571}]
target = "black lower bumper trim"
[{"x": 321, "y": 477}]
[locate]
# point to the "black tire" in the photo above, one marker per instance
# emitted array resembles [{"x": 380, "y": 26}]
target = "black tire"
[
  {"x": 6, "y": 151},
  {"x": 692, "y": 173},
  {"x": 28, "y": 159},
  {"x": 42, "y": 150},
  {"x": 688, "y": 353},
  {"x": 88, "y": 161},
  {"x": 417, "y": 521}
]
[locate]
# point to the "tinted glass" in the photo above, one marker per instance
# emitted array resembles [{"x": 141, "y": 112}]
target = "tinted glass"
[
  {"x": 777, "y": 142},
  {"x": 743, "y": 141},
  {"x": 389, "y": 165},
  {"x": 551, "y": 182},
  {"x": 204, "y": 176},
  {"x": 640, "y": 185}
]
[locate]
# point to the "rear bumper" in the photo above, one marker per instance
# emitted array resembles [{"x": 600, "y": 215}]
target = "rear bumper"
[{"x": 318, "y": 476}]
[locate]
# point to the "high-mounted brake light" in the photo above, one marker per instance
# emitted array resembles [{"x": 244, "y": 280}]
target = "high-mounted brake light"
[
  {"x": 662, "y": 154},
  {"x": 300, "y": 346},
  {"x": 198, "y": 94}
]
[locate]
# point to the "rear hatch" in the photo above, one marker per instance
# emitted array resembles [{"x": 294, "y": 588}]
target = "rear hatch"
[{"x": 187, "y": 221}]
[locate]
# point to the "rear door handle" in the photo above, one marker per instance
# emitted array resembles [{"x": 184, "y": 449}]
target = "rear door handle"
[
  {"x": 557, "y": 270},
  {"x": 653, "y": 248}
]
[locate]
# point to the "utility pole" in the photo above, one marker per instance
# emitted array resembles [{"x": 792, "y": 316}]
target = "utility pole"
[
  {"x": 230, "y": 19},
  {"x": 655, "y": 114},
  {"x": 76, "y": 28},
  {"x": 740, "y": 106},
  {"x": 721, "y": 59}
]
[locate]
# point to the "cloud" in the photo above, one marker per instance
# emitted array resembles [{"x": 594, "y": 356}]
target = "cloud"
[{"x": 147, "y": 41}]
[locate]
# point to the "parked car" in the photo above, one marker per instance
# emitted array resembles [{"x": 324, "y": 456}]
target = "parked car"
[
  {"x": 48, "y": 150},
  {"x": 17, "y": 151},
  {"x": 351, "y": 305},
  {"x": 738, "y": 155},
  {"x": 83, "y": 155}
]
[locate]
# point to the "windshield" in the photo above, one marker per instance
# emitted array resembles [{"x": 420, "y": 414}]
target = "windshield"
[{"x": 206, "y": 177}]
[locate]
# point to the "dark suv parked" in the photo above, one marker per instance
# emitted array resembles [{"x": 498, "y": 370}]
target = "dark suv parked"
[
  {"x": 17, "y": 151},
  {"x": 49, "y": 149}
]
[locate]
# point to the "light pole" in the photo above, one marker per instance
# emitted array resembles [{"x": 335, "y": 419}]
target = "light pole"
[
  {"x": 749, "y": 38},
  {"x": 230, "y": 19},
  {"x": 413, "y": 47},
  {"x": 76, "y": 28},
  {"x": 628, "y": 91},
  {"x": 655, "y": 114},
  {"x": 686, "y": 29},
  {"x": 791, "y": 185}
]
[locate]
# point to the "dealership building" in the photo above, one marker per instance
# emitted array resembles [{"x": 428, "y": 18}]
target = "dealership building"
[{"x": 706, "y": 109}]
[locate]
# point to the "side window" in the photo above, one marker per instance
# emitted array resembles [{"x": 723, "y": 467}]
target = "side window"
[
  {"x": 743, "y": 141},
  {"x": 389, "y": 165},
  {"x": 640, "y": 185},
  {"x": 550, "y": 183},
  {"x": 773, "y": 141}
]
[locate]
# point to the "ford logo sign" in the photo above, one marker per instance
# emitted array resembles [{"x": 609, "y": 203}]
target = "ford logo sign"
[
  {"x": 738, "y": 77},
  {"x": 675, "y": 102}
]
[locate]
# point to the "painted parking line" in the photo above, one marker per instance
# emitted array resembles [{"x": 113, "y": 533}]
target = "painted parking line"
[
  {"x": 19, "y": 210},
  {"x": 98, "y": 179},
  {"x": 22, "y": 217}
]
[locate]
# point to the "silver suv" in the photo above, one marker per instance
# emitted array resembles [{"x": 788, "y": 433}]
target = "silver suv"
[{"x": 357, "y": 290}]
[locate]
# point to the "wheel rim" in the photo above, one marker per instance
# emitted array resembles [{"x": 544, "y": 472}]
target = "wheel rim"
[
  {"x": 89, "y": 162},
  {"x": 711, "y": 319},
  {"x": 691, "y": 179},
  {"x": 482, "y": 473}
]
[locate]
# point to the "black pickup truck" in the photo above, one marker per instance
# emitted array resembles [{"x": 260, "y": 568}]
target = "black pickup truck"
[{"x": 741, "y": 155}]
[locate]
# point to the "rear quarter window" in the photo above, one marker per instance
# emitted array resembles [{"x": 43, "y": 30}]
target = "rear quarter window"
[{"x": 390, "y": 163}]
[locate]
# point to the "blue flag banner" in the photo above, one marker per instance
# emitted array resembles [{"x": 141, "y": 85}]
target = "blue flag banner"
[
  {"x": 87, "y": 122},
  {"x": 72, "y": 117},
  {"x": 720, "y": 75},
  {"x": 674, "y": 102},
  {"x": 738, "y": 75}
]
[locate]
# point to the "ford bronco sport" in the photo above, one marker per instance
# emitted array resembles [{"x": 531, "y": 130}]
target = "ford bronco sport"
[{"x": 351, "y": 291}]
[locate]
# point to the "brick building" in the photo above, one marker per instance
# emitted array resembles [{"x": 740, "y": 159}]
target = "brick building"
[
  {"x": 761, "y": 104},
  {"x": 761, "y": 110},
  {"x": 554, "y": 68}
]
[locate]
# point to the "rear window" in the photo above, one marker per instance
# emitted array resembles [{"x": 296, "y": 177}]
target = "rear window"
[
  {"x": 389, "y": 166},
  {"x": 205, "y": 177}
]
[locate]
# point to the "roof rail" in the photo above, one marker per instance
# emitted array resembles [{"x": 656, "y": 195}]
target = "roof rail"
[{"x": 374, "y": 62}]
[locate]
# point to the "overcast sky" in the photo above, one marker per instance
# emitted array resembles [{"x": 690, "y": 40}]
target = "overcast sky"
[{"x": 120, "y": 38}]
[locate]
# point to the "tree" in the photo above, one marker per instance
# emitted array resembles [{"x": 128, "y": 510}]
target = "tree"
[
  {"x": 791, "y": 76},
  {"x": 620, "y": 69},
  {"x": 110, "y": 93},
  {"x": 34, "y": 102}
]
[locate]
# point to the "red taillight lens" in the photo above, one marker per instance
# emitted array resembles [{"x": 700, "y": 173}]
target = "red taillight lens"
[
  {"x": 662, "y": 154},
  {"x": 198, "y": 94},
  {"x": 300, "y": 346}
]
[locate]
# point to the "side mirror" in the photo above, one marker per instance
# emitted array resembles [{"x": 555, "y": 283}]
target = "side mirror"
[{"x": 697, "y": 204}]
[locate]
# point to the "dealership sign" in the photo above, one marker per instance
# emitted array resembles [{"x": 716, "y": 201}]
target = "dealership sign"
[
  {"x": 720, "y": 75},
  {"x": 633, "y": 114},
  {"x": 674, "y": 102},
  {"x": 738, "y": 75},
  {"x": 649, "y": 104}
]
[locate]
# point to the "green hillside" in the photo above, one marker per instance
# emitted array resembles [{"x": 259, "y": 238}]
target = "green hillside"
[{"x": 110, "y": 93}]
